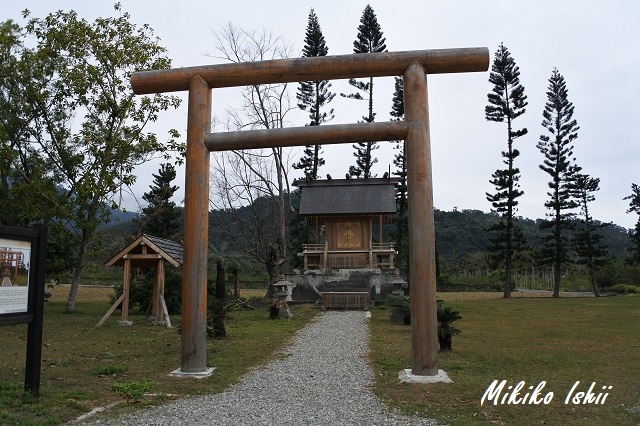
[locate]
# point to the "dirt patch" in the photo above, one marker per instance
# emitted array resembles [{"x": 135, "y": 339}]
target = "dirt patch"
[
  {"x": 483, "y": 295},
  {"x": 61, "y": 292}
]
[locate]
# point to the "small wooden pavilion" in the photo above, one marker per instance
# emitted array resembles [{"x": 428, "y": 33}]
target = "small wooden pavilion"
[
  {"x": 145, "y": 252},
  {"x": 344, "y": 212}
]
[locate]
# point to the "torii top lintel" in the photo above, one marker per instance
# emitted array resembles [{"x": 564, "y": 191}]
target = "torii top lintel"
[{"x": 435, "y": 61}]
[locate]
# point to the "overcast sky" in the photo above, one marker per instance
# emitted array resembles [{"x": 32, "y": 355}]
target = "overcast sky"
[{"x": 592, "y": 43}]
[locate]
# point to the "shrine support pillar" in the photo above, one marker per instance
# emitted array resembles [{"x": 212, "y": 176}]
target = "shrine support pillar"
[{"x": 424, "y": 322}]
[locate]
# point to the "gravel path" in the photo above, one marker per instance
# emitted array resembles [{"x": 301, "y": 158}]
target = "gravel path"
[{"x": 322, "y": 378}]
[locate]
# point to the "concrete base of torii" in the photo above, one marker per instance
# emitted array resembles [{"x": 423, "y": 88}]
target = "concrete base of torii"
[
  {"x": 199, "y": 375},
  {"x": 406, "y": 376}
]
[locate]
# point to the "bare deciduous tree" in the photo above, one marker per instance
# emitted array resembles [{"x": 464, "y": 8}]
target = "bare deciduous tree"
[{"x": 257, "y": 179}]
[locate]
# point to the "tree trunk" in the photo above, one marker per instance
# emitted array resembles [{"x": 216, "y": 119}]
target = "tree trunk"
[
  {"x": 219, "y": 314},
  {"x": 508, "y": 257},
  {"x": 445, "y": 342},
  {"x": 557, "y": 274},
  {"x": 219, "y": 330},
  {"x": 274, "y": 270},
  {"x": 316, "y": 154},
  {"x": 236, "y": 284},
  {"x": 592, "y": 275},
  {"x": 77, "y": 272},
  {"x": 220, "y": 284}
]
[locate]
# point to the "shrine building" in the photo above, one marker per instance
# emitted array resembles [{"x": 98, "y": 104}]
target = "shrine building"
[{"x": 347, "y": 253}]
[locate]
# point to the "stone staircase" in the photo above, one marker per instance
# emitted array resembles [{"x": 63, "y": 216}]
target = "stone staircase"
[{"x": 356, "y": 282}]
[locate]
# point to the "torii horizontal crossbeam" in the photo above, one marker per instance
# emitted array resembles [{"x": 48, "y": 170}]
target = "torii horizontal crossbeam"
[
  {"x": 435, "y": 61},
  {"x": 309, "y": 135}
]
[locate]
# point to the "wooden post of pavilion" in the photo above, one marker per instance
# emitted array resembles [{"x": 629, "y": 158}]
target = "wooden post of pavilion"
[
  {"x": 157, "y": 309},
  {"x": 126, "y": 285}
]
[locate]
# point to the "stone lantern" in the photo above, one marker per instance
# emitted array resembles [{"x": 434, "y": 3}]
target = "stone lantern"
[
  {"x": 398, "y": 283},
  {"x": 281, "y": 294}
]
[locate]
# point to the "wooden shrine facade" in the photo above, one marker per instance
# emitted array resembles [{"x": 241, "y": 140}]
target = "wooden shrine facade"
[{"x": 344, "y": 212}]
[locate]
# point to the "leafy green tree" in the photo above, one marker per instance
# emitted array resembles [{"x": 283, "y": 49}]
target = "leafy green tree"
[
  {"x": 13, "y": 123},
  {"x": 312, "y": 96},
  {"x": 161, "y": 217},
  {"x": 634, "y": 206},
  {"x": 587, "y": 240},
  {"x": 85, "y": 123},
  {"x": 507, "y": 102},
  {"x": 368, "y": 40},
  {"x": 559, "y": 164},
  {"x": 22, "y": 169},
  {"x": 400, "y": 161}
]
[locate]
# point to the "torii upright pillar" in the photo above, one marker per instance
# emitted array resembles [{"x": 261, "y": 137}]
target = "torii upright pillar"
[
  {"x": 424, "y": 350},
  {"x": 196, "y": 230},
  {"x": 413, "y": 65}
]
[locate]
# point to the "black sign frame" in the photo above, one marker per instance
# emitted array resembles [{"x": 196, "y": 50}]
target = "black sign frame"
[{"x": 35, "y": 303}]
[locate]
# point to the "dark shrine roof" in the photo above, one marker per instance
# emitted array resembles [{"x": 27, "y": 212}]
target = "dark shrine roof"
[{"x": 327, "y": 197}]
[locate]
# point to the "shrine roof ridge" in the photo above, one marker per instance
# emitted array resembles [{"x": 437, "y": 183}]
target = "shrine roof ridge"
[{"x": 347, "y": 182}]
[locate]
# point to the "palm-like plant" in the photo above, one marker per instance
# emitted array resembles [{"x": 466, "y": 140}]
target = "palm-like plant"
[
  {"x": 401, "y": 307},
  {"x": 446, "y": 329}
]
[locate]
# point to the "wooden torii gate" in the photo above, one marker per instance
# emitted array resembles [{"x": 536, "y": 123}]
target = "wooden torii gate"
[{"x": 413, "y": 66}]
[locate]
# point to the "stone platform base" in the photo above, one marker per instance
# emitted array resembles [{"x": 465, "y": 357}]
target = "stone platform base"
[{"x": 308, "y": 285}]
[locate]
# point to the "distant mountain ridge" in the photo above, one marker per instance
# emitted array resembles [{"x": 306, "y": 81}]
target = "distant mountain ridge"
[
  {"x": 461, "y": 235},
  {"x": 120, "y": 216}
]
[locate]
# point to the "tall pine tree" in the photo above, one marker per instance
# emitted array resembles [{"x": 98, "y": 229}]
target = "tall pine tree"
[
  {"x": 400, "y": 161},
  {"x": 161, "y": 218},
  {"x": 312, "y": 96},
  {"x": 507, "y": 102},
  {"x": 586, "y": 241},
  {"x": 634, "y": 206},
  {"x": 559, "y": 164},
  {"x": 368, "y": 40}
]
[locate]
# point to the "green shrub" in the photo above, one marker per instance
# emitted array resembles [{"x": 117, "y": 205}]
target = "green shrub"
[{"x": 624, "y": 289}]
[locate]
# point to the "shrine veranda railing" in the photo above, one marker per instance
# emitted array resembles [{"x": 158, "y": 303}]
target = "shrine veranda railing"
[{"x": 378, "y": 255}]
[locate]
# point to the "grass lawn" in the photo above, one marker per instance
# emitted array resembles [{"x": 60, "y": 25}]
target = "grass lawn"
[
  {"x": 559, "y": 341},
  {"x": 85, "y": 367}
]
